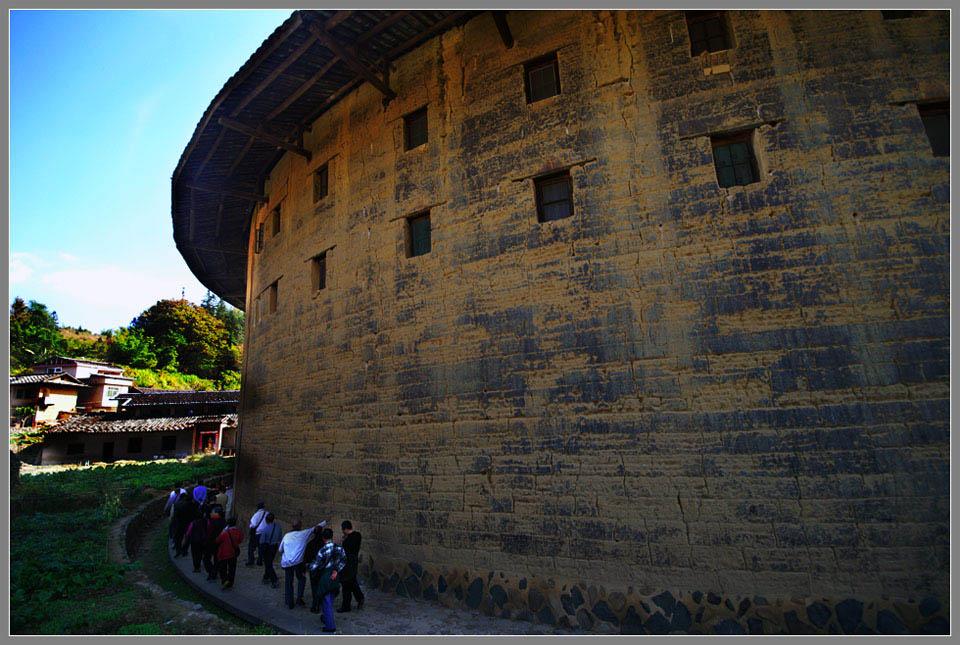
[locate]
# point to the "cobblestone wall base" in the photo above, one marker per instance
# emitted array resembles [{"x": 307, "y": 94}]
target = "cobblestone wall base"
[{"x": 619, "y": 611}]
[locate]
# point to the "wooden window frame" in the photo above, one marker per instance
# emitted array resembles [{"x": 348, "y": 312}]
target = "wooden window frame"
[
  {"x": 703, "y": 16},
  {"x": 724, "y": 140},
  {"x": 539, "y": 183},
  {"x": 318, "y": 272},
  {"x": 409, "y": 239},
  {"x": 321, "y": 182},
  {"x": 408, "y": 121},
  {"x": 536, "y": 65}
]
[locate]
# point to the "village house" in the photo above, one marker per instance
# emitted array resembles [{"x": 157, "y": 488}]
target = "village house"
[
  {"x": 51, "y": 397},
  {"x": 106, "y": 381},
  {"x": 148, "y": 424},
  {"x": 636, "y": 321}
]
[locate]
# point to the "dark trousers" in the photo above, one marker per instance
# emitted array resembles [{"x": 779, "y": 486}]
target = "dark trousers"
[
  {"x": 196, "y": 550},
  {"x": 209, "y": 562},
  {"x": 252, "y": 547},
  {"x": 228, "y": 569},
  {"x": 267, "y": 553},
  {"x": 178, "y": 532},
  {"x": 348, "y": 587},
  {"x": 300, "y": 570}
]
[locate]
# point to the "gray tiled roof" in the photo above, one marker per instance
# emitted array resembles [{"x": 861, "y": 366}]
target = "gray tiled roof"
[{"x": 109, "y": 423}]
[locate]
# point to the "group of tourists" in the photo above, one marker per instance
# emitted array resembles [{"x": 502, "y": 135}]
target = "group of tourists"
[{"x": 198, "y": 527}]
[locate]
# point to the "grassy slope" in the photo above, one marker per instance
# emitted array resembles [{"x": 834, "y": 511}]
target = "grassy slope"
[{"x": 61, "y": 580}]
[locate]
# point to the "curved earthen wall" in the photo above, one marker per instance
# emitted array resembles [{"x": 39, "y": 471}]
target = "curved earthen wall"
[{"x": 686, "y": 406}]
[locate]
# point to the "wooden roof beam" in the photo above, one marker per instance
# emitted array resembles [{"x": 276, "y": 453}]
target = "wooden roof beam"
[
  {"x": 263, "y": 136},
  {"x": 500, "y": 20},
  {"x": 313, "y": 80},
  {"x": 349, "y": 56},
  {"x": 233, "y": 192}
]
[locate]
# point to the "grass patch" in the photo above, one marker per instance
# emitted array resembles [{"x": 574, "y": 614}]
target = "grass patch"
[
  {"x": 115, "y": 486},
  {"x": 61, "y": 578}
]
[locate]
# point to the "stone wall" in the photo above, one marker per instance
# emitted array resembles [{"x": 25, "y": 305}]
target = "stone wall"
[{"x": 707, "y": 396}]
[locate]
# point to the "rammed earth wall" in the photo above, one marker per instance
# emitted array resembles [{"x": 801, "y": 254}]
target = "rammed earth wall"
[{"x": 684, "y": 408}]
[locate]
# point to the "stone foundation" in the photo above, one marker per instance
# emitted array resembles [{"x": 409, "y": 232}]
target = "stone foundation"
[{"x": 611, "y": 611}]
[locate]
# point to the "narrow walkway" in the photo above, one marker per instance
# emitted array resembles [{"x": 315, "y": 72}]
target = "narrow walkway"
[{"x": 382, "y": 613}]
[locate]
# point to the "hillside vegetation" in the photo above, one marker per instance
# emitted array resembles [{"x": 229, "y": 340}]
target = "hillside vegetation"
[{"x": 174, "y": 344}]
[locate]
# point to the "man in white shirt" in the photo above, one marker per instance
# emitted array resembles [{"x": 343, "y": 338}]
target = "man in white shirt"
[
  {"x": 255, "y": 522},
  {"x": 292, "y": 546}
]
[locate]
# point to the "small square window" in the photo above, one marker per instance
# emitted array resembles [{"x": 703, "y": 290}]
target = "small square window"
[
  {"x": 258, "y": 241},
  {"x": 415, "y": 128},
  {"x": 135, "y": 445},
  {"x": 734, "y": 159},
  {"x": 272, "y": 298},
  {"x": 74, "y": 448},
  {"x": 168, "y": 442},
  {"x": 708, "y": 31},
  {"x": 936, "y": 122},
  {"x": 418, "y": 235},
  {"x": 541, "y": 78},
  {"x": 554, "y": 197},
  {"x": 318, "y": 272},
  {"x": 276, "y": 220},
  {"x": 320, "y": 178}
]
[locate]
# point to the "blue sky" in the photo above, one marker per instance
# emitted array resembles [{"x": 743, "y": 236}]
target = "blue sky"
[{"x": 102, "y": 103}]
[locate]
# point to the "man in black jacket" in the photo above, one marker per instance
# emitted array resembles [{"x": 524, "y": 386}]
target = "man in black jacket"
[{"x": 348, "y": 577}]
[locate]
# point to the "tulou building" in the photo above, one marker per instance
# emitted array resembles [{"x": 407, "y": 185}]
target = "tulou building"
[{"x": 633, "y": 321}]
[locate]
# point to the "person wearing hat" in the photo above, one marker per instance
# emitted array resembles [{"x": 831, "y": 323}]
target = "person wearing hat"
[{"x": 255, "y": 522}]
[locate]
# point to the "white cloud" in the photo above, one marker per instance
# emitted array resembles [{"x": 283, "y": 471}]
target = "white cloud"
[
  {"x": 22, "y": 266},
  {"x": 68, "y": 257}
]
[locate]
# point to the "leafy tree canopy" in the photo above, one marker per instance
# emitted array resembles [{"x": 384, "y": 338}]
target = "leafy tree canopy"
[
  {"x": 187, "y": 337},
  {"x": 34, "y": 333}
]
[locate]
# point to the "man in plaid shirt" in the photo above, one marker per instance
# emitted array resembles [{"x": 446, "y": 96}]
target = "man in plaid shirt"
[{"x": 330, "y": 560}]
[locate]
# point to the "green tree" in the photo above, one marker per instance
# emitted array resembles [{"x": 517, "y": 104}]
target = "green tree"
[
  {"x": 131, "y": 347},
  {"x": 34, "y": 333},
  {"x": 187, "y": 337},
  {"x": 232, "y": 318}
]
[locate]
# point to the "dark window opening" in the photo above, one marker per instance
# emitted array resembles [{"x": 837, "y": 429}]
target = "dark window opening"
[
  {"x": 258, "y": 242},
  {"x": 554, "y": 197},
  {"x": 541, "y": 78},
  {"x": 708, "y": 31},
  {"x": 318, "y": 271},
  {"x": 134, "y": 444},
  {"x": 272, "y": 298},
  {"x": 276, "y": 220},
  {"x": 74, "y": 448},
  {"x": 734, "y": 159},
  {"x": 936, "y": 122},
  {"x": 418, "y": 235},
  {"x": 168, "y": 442},
  {"x": 415, "y": 128},
  {"x": 320, "y": 177},
  {"x": 108, "y": 450}
]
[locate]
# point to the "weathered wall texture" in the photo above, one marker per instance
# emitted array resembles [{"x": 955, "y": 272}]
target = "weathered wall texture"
[{"x": 735, "y": 396}]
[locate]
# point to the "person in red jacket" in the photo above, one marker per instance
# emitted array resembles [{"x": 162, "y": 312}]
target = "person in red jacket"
[{"x": 228, "y": 549}]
